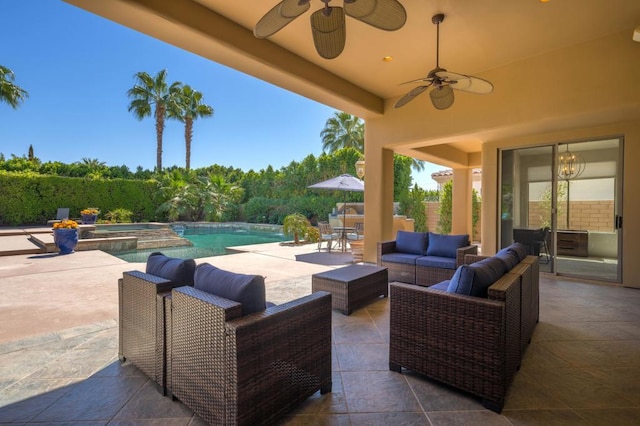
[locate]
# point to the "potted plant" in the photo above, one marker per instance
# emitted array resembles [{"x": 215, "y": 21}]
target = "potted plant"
[
  {"x": 89, "y": 215},
  {"x": 65, "y": 235},
  {"x": 296, "y": 225}
]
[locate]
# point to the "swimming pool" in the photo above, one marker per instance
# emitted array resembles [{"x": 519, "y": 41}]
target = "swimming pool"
[{"x": 211, "y": 239}]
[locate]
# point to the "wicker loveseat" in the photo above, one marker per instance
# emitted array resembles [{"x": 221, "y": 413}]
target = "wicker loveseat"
[
  {"x": 471, "y": 331},
  {"x": 423, "y": 258},
  {"x": 231, "y": 368}
]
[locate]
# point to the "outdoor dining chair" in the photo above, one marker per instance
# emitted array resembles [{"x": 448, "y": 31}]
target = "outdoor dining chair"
[{"x": 328, "y": 234}]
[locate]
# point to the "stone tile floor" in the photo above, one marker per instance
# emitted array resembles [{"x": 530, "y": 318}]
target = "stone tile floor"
[{"x": 582, "y": 367}]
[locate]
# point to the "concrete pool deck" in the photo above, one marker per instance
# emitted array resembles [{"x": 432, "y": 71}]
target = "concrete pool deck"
[{"x": 47, "y": 292}]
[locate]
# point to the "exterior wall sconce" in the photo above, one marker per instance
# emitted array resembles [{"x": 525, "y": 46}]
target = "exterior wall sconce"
[{"x": 360, "y": 168}]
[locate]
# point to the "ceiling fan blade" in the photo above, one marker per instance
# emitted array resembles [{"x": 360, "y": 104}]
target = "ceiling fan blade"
[
  {"x": 410, "y": 96},
  {"x": 329, "y": 31},
  {"x": 274, "y": 20},
  {"x": 475, "y": 85},
  {"x": 466, "y": 83},
  {"x": 442, "y": 97},
  {"x": 387, "y": 15},
  {"x": 420, "y": 80}
]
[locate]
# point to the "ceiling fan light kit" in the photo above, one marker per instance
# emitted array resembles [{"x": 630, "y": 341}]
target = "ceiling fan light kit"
[
  {"x": 328, "y": 24},
  {"x": 443, "y": 82}
]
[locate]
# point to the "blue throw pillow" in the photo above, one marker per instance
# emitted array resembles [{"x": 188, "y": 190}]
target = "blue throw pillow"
[
  {"x": 475, "y": 279},
  {"x": 446, "y": 245},
  {"x": 176, "y": 270},
  {"x": 520, "y": 250},
  {"x": 411, "y": 242},
  {"x": 462, "y": 281},
  {"x": 247, "y": 290},
  {"x": 509, "y": 257}
]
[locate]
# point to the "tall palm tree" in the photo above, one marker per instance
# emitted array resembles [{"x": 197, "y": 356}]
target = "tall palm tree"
[
  {"x": 9, "y": 92},
  {"x": 344, "y": 130},
  {"x": 341, "y": 131},
  {"x": 187, "y": 108},
  {"x": 153, "y": 92}
]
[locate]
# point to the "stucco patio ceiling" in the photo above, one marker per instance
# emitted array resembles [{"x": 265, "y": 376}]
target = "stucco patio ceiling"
[{"x": 478, "y": 38}]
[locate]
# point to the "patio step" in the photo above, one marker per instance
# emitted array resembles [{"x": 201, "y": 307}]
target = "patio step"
[{"x": 19, "y": 244}]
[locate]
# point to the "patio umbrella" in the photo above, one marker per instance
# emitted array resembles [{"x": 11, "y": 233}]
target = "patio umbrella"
[{"x": 345, "y": 183}]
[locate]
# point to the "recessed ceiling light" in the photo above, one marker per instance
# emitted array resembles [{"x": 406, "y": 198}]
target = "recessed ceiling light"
[
  {"x": 387, "y": 59},
  {"x": 545, "y": 1}
]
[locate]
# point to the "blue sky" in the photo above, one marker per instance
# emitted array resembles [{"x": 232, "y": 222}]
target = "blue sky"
[{"x": 77, "y": 68}]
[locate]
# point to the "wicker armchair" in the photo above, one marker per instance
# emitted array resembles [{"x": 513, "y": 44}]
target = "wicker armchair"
[
  {"x": 252, "y": 369},
  {"x": 468, "y": 342}
]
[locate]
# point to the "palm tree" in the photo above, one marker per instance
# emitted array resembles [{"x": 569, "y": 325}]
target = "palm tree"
[
  {"x": 188, "y": 107},
  {"x": 10, "y": 92},
  {"x": 341, "y": 131},
  {"x": 346, "y": 130},
  {"x": 153, "y": 91}
]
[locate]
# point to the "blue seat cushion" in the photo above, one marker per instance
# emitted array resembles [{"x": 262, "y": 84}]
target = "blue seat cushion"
[
  {"x": 436, "y": 262},
  {"x": 509, "y": 257},
  {"x": 520, "y": 250},
  {"x": 245, "y": 289},
  {"x": 170, "y": 268},
  {"x": 411, "y": 242},
  {"x": 409, "y": 259},
  {"x": 446, "y": 245},
  {"x": 475, "y": 279}
]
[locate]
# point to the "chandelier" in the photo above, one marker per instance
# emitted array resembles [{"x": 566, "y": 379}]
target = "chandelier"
[{"x": 570, "y": 165}]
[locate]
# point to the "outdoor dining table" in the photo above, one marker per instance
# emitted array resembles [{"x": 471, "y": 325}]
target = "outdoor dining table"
[{"x": 343, "y": 231}]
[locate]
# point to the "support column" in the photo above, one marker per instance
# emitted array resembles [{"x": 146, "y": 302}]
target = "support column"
[
  {"x": 378, "y": 199},
  {"x": 461, "y": 222}
]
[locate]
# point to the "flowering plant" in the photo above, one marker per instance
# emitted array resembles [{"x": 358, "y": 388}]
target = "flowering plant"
[
  {"x": 65, "y": 224},
  {"x": 89, "y": 210}
]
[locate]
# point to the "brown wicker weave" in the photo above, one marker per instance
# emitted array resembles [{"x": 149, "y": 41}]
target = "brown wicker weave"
[
  {"x": 529, "y": 272},
  {"x": 142, "y": 323},
  {"x": 253, "y": 369},
  {"x": 402, "y": 272},
  {"x": 352, "y": 286},
  {"x": 468, "y": 342}
]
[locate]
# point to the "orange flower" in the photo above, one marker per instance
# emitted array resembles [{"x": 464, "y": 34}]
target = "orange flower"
[
  {"x": 66, "y": 224},
  {"x": 89, "y": 211}
]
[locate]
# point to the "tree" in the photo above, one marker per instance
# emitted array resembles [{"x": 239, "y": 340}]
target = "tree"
[
  {"x": 341, "y": 131},
  {"x": 153, "y": 93},
  {"x": 31, "y": 156},
  {"x": 446, "y": 208},
  {"x": 345, "y": 130},
  {"x": 295, "y": 224},
  {"x": 188, "y": 107},
  {"x": 9, "y": 92}
]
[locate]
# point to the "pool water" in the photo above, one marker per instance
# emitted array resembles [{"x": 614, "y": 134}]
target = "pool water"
[{"x": 207, "y": 244}]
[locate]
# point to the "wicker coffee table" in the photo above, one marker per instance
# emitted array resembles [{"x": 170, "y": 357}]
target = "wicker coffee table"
[{"x": 352, "y": 286}]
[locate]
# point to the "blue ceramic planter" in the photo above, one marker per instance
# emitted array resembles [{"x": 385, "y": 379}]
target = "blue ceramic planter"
[
  {"x": 88, "y": 219},
  {"x": 66, "y": 240}
]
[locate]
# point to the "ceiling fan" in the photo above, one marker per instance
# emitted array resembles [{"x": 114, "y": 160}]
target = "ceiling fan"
[
  {"x": 328, "y": 24},
  {"x": 443, "y": 81}
]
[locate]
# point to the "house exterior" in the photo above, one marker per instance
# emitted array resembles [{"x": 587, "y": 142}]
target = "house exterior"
[{"x": 562, "y": 72}]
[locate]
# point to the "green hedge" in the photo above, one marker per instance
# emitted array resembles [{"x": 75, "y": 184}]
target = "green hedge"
[{"x": 29, "y": 199}]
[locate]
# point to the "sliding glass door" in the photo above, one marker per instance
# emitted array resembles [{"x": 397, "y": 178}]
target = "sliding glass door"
[{"x": 563, "y": 202}]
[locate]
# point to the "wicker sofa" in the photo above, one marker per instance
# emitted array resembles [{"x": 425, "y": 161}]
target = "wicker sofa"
[
  {"x": 470, "y": 335},
  {"x": 423, "y": 258}
]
